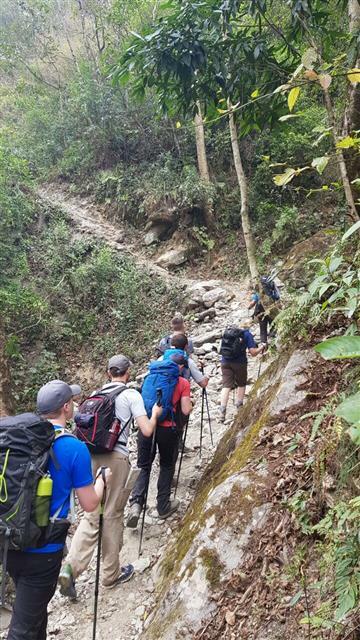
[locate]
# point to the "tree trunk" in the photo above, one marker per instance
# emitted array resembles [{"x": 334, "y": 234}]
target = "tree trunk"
[
  {"x": 354, "y": 98},
  {"x": 6, "y": 400},
  {"x": 352, "y": 213},
  {"x": 203, "y": 163},
  {"x": 242, "y": 181},
  {"x": 200, "y": 145}
]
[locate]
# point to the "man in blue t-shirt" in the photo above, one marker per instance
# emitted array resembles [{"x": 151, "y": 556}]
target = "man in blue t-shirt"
[
  {"x": 234, "y": 372},
  {"x": 35, "y": 571}
]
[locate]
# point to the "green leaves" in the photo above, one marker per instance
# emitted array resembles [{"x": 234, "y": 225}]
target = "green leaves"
[
  {"x": 350, "y": 409},
  {"x": 351, "y": 230},
  {"x": 292, "y": 97},
  {"x": 339, "y": 348},
  {"x": 320, "y": 164},
  {"x": 309, "y": 58}
]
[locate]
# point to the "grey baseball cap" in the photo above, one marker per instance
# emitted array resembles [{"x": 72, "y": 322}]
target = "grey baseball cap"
[
  {"x": 54, "y": 394},
  {"x": 119, "y": 362}
]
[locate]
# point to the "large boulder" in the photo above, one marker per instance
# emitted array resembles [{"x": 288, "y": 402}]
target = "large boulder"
[
  {"x": 212, "y": 296},
  {"x": 173, "y": 257}
]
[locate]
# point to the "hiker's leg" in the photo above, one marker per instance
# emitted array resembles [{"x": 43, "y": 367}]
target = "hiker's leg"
[
  {"x": 228, "y": 383},
  {"x": 144, "y": 463},
  {"x": 224, "y": 396},
  {"x": 241, "y": 379},
  {"x": 263, "y": 324},
  {"x": 116, "y": 499},
  {"x": 35, "y": 576},
  {"x": 167, "y": 439},
  {"x": 86, "y": 535}
]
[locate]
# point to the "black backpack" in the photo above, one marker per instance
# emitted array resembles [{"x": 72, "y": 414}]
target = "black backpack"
[
  {"x": 25, "y": 448},
  {"x": 96, "y": 423},
  {"x": 270, "y": 288},
  {"x": 25, "y": 444},
  {"x": 232, "y": 343}
]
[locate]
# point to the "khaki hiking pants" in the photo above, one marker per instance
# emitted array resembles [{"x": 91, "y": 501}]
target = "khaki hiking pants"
[{"x": 85, "y": 539}]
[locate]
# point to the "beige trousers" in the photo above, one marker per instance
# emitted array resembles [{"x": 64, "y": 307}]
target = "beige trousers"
[{"x": 85, "y": 539}]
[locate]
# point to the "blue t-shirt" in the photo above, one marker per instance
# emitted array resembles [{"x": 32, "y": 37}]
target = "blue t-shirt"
[
  {"x": 74, "y": 472},
  {"x": 249, "y": 344},
  {"x": 255, "y": 297}
]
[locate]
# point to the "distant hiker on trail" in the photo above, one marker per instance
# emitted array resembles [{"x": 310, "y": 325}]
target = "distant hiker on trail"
[
  {"x": 176, "y": 404},
  {"x": 259, "y": 313},
  {"x": 35, "y": 570},
  {"x": 128, "y": 405},
  {"x": 235, "y": 344},
  {"x": 177, "y": 327}
]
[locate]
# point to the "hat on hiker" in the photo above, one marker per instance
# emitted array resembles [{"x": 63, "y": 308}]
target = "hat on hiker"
[
  {"x": 119, "y": 362},
  {"x": 54, "y": 394}
]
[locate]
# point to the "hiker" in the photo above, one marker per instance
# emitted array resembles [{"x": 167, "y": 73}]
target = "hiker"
[
  {"x": 191, "y": 370},
  {"x": 259, "y": 313},
  {"x": 129, "y": 405},
  {"x": 235, "y": 344},
  {"x": 177, "y": 327},
  {"x": 167, "y": 441},
  {"x": 35, "y": 571}
]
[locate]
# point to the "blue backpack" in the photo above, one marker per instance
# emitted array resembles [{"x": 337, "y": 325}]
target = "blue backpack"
[{"x": 163, "y": 375}]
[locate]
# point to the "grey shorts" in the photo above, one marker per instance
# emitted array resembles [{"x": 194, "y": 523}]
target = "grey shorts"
[{"x": 234, "y": 374}]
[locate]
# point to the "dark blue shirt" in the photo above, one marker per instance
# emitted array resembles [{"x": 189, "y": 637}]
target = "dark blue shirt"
[
  {"x": 74, "y": 472},
  {"x": 249, "y": 343}
]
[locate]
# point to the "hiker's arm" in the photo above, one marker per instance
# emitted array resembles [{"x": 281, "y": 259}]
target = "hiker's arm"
[
  {"x": 186, "y": 405},
  {"x": 147, "y": 425},
  {"x": 252, "y": 304},
  {"x": 254, "y": 351},
  {"x": 196, "y": 374},
  {"x": 91, "y": 495}
]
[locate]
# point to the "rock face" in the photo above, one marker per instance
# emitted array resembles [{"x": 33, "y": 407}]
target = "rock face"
[
  {"x": 294, "y": 270},
  {"x": 230, "y": 507}
]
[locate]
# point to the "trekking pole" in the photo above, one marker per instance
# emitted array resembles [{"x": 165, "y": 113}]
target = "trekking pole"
[
  {"x": 208, "y": 414},
  {"x": 97, "y": 577},
  {"x": 158, "y": 402},
  {"x": 181, "y": 456},
  {"x": 202, "y": 418}
]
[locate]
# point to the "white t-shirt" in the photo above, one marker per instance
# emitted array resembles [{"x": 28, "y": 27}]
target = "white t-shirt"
[{"x": 128, "y": 405}]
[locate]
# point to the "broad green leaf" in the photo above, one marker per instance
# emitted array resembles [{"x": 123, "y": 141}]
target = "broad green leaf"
[
  {"x": 354, "y": 75},
  {"x": 309, "y": 58},
  {"x": 339, "y": 348},
  {"x": 288, "y": 116},
  {"x": 346, "y": 143},
  {"x": 335, "y": 263},
  {"x": 296, "y": 598},
  {"x": 292, "y": 97},
  {"x": 255, "y": 93},
  {"x": 349, "y": 232},
  {"x": 320, "y": 164},
  {"x": 284, "y": 178},
  {"x": 350, "y": 409}
]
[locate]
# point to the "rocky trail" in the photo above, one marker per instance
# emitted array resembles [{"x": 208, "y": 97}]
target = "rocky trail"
[{"x": 125, "y": 611}]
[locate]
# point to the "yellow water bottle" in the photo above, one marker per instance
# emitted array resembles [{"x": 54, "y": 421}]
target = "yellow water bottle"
[{"x": 42, "y": 501}]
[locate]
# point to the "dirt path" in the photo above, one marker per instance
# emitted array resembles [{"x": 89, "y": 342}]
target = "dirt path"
[{"x": 123, "y": 611}]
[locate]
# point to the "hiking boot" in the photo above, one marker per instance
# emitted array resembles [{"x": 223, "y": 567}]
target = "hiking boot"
[
  {"x": 67, "y": 582},
  {"x": 134, "y": 515},
  {"x": 222, "y": 414},
  {"x": 172, "y": 507},
  {"x": 126, "y": 573}
]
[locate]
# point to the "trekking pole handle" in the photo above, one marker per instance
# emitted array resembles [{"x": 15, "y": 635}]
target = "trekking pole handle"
[{"x": 158, "y": 397}]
